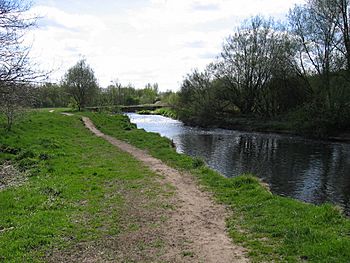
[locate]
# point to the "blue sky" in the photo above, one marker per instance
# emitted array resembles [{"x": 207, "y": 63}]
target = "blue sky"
[{"x": 139, "y": 41}]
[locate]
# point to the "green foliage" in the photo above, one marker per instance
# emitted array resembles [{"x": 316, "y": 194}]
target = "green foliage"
[
  {"x": 316, "y": 119},
  {"x": 313, "y": 120},
  {"x": 166, "y": 112},
  {"x": 199, "y": 100},
  {"x": 170, "y": 98},
  {"x": 149, "y": 94},
  {"x": 51, "y": 96},
  {"x": 145, "y": 112},
  {"x": 117, "y": 94}
]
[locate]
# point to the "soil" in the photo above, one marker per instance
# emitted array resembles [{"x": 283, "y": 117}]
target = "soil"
[
  {"x": 10, "y": 176},
  {"x": 195, "y": 230},
  {"x": 67, "y": 114}
]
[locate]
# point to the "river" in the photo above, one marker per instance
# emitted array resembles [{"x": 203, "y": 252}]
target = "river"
[{"x": 308, "y": 170}]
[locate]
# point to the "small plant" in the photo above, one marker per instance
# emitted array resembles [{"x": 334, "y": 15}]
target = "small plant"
[
  {"x": 188, "y": 254},
  {"x": 197, "y": 162},
  {"x": 8, "y": 149},
  {"x": 145, "y": 112},
  {"x": 25, "y": 154},
  {"x": 166, "y": 112}
]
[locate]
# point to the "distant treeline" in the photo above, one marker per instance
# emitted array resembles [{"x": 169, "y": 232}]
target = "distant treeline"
[
  {"x": 298, "y": 72},
  {"x": 58, "y": 95}
]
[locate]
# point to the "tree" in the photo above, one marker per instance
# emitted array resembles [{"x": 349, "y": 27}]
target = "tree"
[
  {"x": 81, "y": 84},
  {"x": 322, "y": 31},
  {"x": 314, "y": 28},
  {"x": 16, "y": 73},
  {"x": 198, "y": 101},
  {"x": 250, "y": 60},
  {"x": 343, "y": 23},
  {"x": 51, "y": 95},
  {"x": 149, "y": 94}
]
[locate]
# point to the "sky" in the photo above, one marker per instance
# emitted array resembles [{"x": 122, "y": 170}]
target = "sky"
[{"x": 139, "y": 41}]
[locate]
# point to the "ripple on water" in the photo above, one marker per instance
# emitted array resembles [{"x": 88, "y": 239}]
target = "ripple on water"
[{"x": 309, "y": 170}]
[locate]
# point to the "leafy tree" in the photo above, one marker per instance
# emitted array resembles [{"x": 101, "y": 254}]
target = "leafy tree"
[
  {"x": 117, "y": 94},
  {"x": 169, "y": 98},
  {"x": 198, "y": 101},
  {"x": 51, "y": 95},
  {"x": 81, "y": 84},
  {"x": 149, "y": 94}
]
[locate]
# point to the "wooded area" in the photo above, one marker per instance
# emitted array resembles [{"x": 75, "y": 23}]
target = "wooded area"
[{"x": 297, "y": 71}]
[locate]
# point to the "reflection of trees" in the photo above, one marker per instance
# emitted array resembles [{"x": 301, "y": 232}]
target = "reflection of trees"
[
  {"x": 201, "y": 145},
  {"x": 307, "y": 170},
  {"x": 339, "y": 169}
]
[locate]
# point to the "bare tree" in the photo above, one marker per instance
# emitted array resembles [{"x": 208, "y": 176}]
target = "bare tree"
[
  {"x": 314, "y": 28},
  {"x": 15, "y": 101},
  {"x": 343, "y": 24},
  {"x": 15, "y": 70},
  {"x": 249, "y": 60}
]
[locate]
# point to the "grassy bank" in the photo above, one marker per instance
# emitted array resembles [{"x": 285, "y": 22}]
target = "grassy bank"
[
  {"x": 273, "y": 228},
  {"x": 79, "y": 195},
  {"x": 166, "y": 112}
]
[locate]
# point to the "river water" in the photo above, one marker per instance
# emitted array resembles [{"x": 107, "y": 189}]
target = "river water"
[{"x": 308, "y": 170}]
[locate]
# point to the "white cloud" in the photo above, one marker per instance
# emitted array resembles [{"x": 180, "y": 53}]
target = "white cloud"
[{"x": 159, "y": 41}]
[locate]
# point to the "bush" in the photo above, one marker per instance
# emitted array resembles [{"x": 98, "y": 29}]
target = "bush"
[
  {"x": 166, "y": 112},
  {"x": 317, "y": 120}
]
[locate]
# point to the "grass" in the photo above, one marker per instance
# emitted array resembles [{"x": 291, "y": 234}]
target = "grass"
[
  {"x": 273, "y": 228},
  {"x": 78, "y": 190},
  {"x": 166, "y": 112}
]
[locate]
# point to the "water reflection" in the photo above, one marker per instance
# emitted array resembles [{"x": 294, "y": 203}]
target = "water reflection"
[{"x": 312, "y": 171}]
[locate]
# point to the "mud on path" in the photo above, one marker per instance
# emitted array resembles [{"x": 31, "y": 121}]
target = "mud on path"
[{"x": 197, "y": 221}]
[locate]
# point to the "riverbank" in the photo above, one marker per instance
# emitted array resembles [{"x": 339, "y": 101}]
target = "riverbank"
[
  {"x": 273, "y": 228},
  {"x": 72, "y": 207},
  {"x": 166, "y": 112},
  {"x": 251, "y": 124}
]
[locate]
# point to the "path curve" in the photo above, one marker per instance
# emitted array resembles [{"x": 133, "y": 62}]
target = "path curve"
[{"x": 197, "y": 218}]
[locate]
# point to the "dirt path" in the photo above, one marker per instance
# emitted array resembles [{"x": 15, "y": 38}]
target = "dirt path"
[
  {"x": 196, "y": 221},
  {"x": 67, "y": 114}
]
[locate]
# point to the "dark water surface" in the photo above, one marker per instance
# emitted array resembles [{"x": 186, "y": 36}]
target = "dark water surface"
[{"x": 308, "y": 170}]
